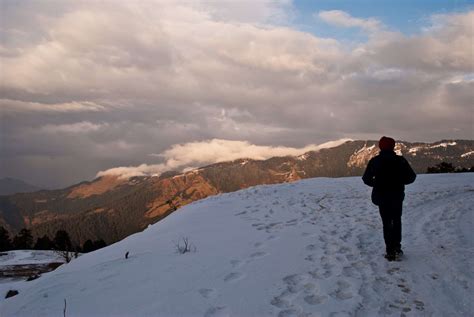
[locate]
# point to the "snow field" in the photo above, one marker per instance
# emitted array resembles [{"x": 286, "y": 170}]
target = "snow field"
[
  {"x": 310, "y": 248},
  {"x": 22, "y": 257},
  {"x": 19, "y": 257}
]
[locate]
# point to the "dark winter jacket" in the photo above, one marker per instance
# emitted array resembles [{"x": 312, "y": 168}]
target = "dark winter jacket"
[{"x": 388, "y": 174}]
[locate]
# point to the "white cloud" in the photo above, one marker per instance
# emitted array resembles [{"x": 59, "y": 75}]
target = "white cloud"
[
  {"x": 446, "y": 47},
  {"x": 8, "y": 105},
  {"x": 185, "y": 156},
  {"x": 78, "y": 127},
  {"x": 343, "y": 19},
  {"x": 247, "y": 11},
  {"x": 216, "y": 150},
  {"x": 131, "y": 171}
]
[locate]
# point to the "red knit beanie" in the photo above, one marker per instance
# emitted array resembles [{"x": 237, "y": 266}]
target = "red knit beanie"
[{"x": 387, "y": 143}]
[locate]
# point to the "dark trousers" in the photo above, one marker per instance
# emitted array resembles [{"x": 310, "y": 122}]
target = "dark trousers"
[{"x": 391, "y": 214}]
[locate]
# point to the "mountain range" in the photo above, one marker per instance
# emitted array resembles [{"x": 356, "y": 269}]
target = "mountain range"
[
  {"x": 111, "y": 208},
  {"x": 9, "y": 186}
]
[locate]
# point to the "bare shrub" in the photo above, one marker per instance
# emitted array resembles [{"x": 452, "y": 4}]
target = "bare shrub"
[
  {"x": 66, "y": 255},
  {"x": 184, "y": 245},
  {"x": 172, "y": 205}
]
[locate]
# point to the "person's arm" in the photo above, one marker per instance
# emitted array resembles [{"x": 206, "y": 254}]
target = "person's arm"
[
  {"x": 369, "y": 175},
  {"x": 409, "y": 175}
]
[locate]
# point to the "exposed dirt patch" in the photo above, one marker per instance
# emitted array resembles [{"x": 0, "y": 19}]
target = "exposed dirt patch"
[
  {"x": 97, "y": 187},
  {"x": 182, "y": 190},
  {"x": 26, "y": 270},
  {"x": 43, "y": 216}
]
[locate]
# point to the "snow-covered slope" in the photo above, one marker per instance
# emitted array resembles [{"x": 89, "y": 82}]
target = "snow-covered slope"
[
  {"x": 308, "y": 248},
  {"x": 13, "y": 265}
]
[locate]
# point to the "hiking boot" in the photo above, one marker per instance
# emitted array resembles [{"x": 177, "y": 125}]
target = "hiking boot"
[
  {"x": 390, "y": 256},
  {"x": 399, "y": 252}
]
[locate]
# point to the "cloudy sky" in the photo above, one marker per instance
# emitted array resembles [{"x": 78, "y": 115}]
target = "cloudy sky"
[{"x": 91, "y": 85}]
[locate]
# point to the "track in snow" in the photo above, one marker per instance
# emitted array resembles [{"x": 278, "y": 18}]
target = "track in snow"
[
  {"x": 346, "y": 247},
  {"x": 311, "y": 248}
]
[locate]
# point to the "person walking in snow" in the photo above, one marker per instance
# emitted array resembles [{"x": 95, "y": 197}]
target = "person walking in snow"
[{"x": 388, "y": 173}]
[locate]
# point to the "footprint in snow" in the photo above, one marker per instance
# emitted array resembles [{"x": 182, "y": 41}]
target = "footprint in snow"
[
  {"x": 311, "y": 258},
  {"x": 315, "y": 299},
  {"x": 292, "y": 221},
  {"x": 236, "y": 263},
  {"x": 311, "y": 247},
  {"x": 349, "y": 271},
  {"x": 295, "y": 282},
  {"x": 406, "y": 309},
  {"x": 208, "y": 292},
  {"x": 404, "y": 288},
  {"x": 309, "y": 288},
  {"x": 312, "y": 295},
  {"x": 108, "y": 277},
  {"x": 393, "y": 270},
  {"x": 258, "y": 255},
  {"x": 289, "y": 313},
  {"x": 344, "y": 250},
  {"x": 419, "y": 305},
  {"x": 341, "y": 314},
  {"x": 234, "y": 276},
  {"x": 322, "y": 272},
  {"x": 220, "y": 311},
  {"x": 351, "y": 257},
  {"x": 281, "y": 301},
  {"x": 343, "y": 291}
]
